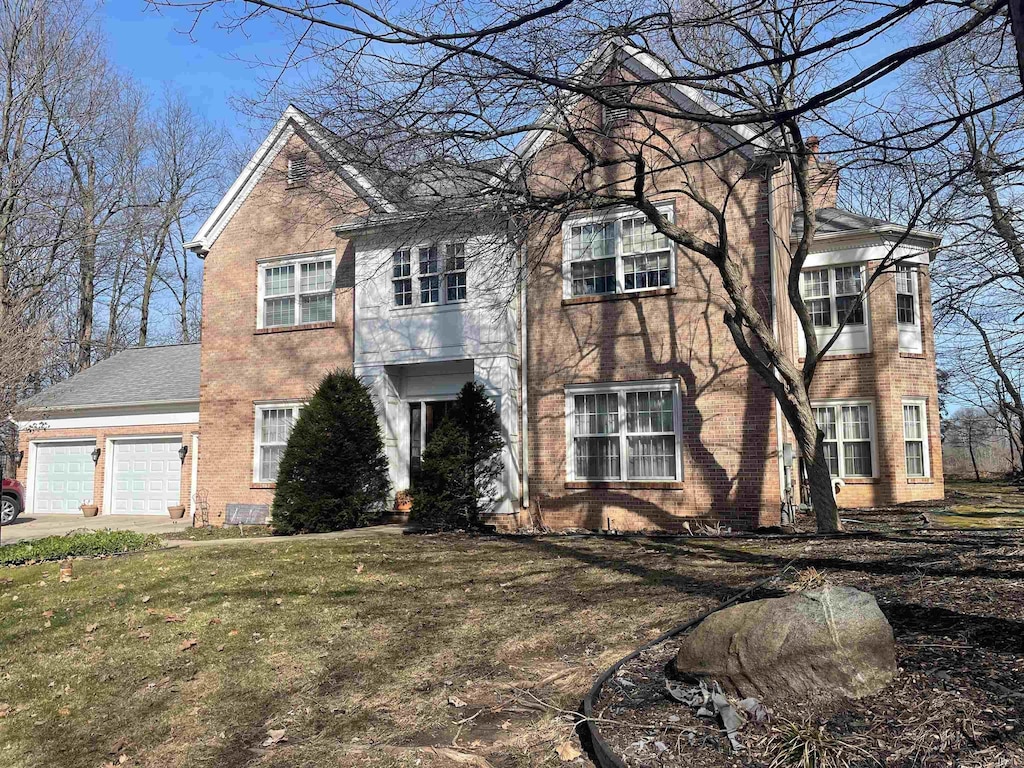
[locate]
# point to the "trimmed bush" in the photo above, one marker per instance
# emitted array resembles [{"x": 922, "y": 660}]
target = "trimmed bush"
[
  {"x": 461, "y": 466},
  {"x": 334, "y": 474},
  {"x": 89, "y": 544}
]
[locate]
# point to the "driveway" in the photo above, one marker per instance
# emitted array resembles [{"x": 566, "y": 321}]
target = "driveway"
[{"x": 38, "y": 526}]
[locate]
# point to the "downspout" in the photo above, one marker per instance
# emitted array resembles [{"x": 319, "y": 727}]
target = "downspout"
[
  {"x": 772, "y": 261},
  {"x": 524, "y": 429}
]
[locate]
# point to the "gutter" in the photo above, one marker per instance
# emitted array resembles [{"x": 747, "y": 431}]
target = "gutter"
[
  {"x": 524, "y": 414},
  {"x": 772, "y": 261},
  {"x": 41, "y": 409}
]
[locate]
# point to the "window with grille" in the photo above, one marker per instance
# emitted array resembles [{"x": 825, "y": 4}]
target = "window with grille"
[
  {"x": 401, "y": 277},
  {"x": 618, "y": 254},
  {"x": 626, "y": 432},
  {"x": 273, "y": 426},
  {"x": 455, "y": 272},
  {"x": 832, "y": 294},
  {"x": 914, "y": 436},
  {"x": 298, "y": 169},
  {"x": 438, "y": 272},
  {"x": 906, "y": 295},
  {"x": 847, "y": 438},
  {"x": 430, "y": 276},
  {"x": 297, "y": 291}
]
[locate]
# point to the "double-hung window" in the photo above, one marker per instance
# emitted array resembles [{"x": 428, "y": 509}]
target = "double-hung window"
[
  {"x": 906, "y": 295},
  {"x": 915, "y": 434},
  {"x": 616, "y": 253},
  {"x": 296, "y": 291},
  {"x": 624, "y": 432},
  {"x": 848, "y": 431},
  {"x": 430, "y": 275},
  {"x": 831, "y": 294},
  {"x": 401, "y": 277},
  {"x": 273, "y": 426},
  {"x": 455, "y": 272}
]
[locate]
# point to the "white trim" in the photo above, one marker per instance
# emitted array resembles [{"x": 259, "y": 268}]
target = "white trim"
[
  {"x": 442, "y": 274},
  {"x": 872, "y": 421},
  {"x": 615, "y": 216},
  {"x": 30, "y": 479},
  {"x": 910, "y": 337},
  {"x": 108, "y": 465},
  {"x": 848, "y": 342},
  {"x": 258, "y": 407},
  {"x": 257, "y": 166},
  {"x": 295, "y": 260},
  {"x": 114, "y": 417},
  {"x": 922, "y": 403},
  {"x": 194, "y": 477},
  {"x": 621, "y": 388}
]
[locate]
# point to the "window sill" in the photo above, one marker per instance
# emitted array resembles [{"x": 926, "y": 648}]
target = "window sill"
[
  {"x": 913, "y": 355},
  {"x": 845, "y": 356},
  {"x": 920, "y": 481},
  {"x": 263, "y": 486},
  {"x": 859, "y": 480},
  {"x": 660, "y": 485},
  {"x": 289, "y": 328},
  {"x": 573, "y": 300}
]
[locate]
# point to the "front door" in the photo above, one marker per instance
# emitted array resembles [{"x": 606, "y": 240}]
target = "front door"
[{"x": 424, "y": 418}]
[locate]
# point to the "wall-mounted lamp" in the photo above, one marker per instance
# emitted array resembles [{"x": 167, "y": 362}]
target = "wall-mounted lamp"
[
  {"x": 182, "y": 453},
  {"x": 18, "y": 457},
  {"x": 95, "y": 454}
]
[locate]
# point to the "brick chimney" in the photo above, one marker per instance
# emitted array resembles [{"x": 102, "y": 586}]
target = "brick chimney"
[{"x": 822, "y": 175}]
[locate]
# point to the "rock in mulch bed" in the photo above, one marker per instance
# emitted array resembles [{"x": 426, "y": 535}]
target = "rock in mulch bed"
[{"x": 951, "y": 704}]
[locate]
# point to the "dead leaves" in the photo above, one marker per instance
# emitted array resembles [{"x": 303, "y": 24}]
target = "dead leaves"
[
  {"x": 568, "y": 751},
  {"x": 5, "y": 710},
  {"x": 172, "y": 617},
  {"x": 274, "y": 736},
  {"x": 455, "y": 701},
  {"x": 188, "y": 643}
]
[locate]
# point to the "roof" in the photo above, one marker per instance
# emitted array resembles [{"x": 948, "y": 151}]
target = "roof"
[
  {"x": 839, "y": 221},
  {"x": 164, "y": 374}
]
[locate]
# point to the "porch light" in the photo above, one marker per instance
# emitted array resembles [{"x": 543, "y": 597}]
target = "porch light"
[
  {"x": 95, "y": 454},
  {"x": 18, "y": 458},
  {"x": 182, "y": 452}
]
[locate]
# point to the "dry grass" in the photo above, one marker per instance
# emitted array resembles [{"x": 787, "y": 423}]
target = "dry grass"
[{"x": 810, "y": 745}]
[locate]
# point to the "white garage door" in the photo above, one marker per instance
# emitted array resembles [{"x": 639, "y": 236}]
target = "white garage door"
[
  {"x": 147, "y": 476},
  {"x": 64, "y": 473}
]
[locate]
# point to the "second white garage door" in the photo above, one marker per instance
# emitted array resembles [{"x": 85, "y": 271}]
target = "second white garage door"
[{"x": 147, "y": 476}]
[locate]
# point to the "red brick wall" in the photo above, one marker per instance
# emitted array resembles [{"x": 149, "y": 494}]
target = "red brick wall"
[
  {"x": 101, "y": 434},
  {"x": 887, "y": 376},
  {"x": 241, "y": 365},
  {"x": 730, "y": 470}
]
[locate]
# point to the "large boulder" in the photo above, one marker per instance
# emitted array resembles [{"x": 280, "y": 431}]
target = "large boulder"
[{"x": 833, "y": 641}]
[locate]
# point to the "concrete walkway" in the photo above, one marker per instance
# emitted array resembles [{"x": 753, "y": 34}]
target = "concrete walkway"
[{"x": 37, "y": 526}]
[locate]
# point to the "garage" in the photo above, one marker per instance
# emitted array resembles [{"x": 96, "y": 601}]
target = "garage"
[
  {"x": 63, "y": 476},
  {"x": 146, "y": 475}
]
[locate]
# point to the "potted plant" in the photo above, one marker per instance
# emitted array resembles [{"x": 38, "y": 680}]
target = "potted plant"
[
  {"x": 403, "y": 501},
  {"x": 176, "y": 512},
  {"x": 89, "y": 509}
]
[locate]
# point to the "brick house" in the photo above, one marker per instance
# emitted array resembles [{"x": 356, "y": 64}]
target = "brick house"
[{"x": 622, "y": 398}]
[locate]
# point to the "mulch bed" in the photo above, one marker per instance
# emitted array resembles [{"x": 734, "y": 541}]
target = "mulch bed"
[{"x": 956, "y": 604}]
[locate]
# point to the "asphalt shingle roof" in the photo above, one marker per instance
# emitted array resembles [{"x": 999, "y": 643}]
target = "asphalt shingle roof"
[
  {"x": 138, "y": 375},
  {"x": 832, "y": 220}
]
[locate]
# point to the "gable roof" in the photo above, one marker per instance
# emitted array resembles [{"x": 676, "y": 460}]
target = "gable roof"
[
  {"x": 323, "y": 141},
  {"x": 140, "y": 375}
]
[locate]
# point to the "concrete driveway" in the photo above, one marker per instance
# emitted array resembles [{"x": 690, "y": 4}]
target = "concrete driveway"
[{"x": 38, "y": 526}]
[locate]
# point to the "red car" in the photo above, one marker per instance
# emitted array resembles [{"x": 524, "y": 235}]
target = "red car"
[{"x": 12, "y": 501}]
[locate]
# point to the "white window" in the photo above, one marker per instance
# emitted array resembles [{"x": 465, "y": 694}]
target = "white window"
[
  {"x": 906, "y": 295},
  {"x": 455, "y": 272},
  {"x": 915, "y": 438},
  {"x": 273, "y": 426},
  {"x": 848, "y": 442},
  {"x": 298, "y": 169},
  {"x": 624, "y": 432},
  {"x": 296, "y": 291},
  {"x": 831, "y": 295},
  {"x": 620, "y": 252},
  {"x": 429, "y": 274},
  {"x": 401, "y": 277}
]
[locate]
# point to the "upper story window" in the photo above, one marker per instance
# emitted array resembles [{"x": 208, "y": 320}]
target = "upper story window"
[
  {"x": 273, "y": 426},
  {"x": 624, "y": 432},
  {"x": 298, "y": 169},
  {"x": 419, "y": 276},
  {"x": 296, "y": 291},
  {"x": 915, "y": 436},
  {"x": 906, "y": 295},
  {"x": 620, "y": 252},
  {"x": 848, "y": 442},
  {"x": 831, "y": 295}
]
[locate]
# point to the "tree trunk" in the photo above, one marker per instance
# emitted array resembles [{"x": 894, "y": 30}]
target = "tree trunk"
[
  {"x": 812, "y": 452},
  {"x": 87, "y": 297},
  {"x": 970, "y": 449},
  {"x": 147, "y": 293}
]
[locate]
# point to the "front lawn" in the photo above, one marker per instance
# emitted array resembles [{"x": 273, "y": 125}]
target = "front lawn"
[{"x": 366, "y": 652}]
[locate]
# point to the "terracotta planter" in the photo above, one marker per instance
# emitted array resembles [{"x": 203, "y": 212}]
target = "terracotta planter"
[
  {"x": 89, "y": 510},
  {"x": 403, "y": 501},
  {"x": 176, "y": 512}
]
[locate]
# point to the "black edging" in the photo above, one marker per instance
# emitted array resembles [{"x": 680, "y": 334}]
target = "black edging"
[{"x": 590, "y": 737}]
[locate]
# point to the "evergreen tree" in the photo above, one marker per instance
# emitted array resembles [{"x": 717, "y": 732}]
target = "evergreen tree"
[{"x": 334, "y": 473}]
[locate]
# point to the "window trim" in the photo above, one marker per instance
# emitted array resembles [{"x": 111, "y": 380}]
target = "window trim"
[
  {"x": 442, "y": 274},
  {"x": 262, "y": 265},
  {"x": 833, "y": 296},
  {"x": 915, "y": 294},
  {"x": 258, "y": 407},
  {"x": 921, "y": 403},
  {"x": 872, "y": 422},
  {"x": 621, "y": 389},
  {"x": 614, "y": 216}
]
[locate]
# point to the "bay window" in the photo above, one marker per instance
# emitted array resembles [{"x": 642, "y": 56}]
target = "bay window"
[
  {"x": 434, "y": 274},
  {"x": 274, "y": 424},
  {"x": 624, "y": 432},
  {"x": 848, "y": 438},
  {"x": 620, "y": 252},
  {"x": 296, "y": 291},
  {"x": 832, "y": 293}
]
